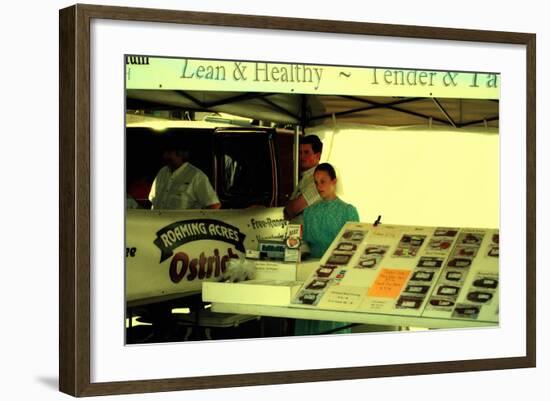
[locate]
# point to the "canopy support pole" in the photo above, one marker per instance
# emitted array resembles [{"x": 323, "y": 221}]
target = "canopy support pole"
[
  {"x": 296, "y": 175},
  {"x": 447, "y": 116}
]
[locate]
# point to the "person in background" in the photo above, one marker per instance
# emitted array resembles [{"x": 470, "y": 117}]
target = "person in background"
[
  {"x": 179, "y": 184},
  {"x": 131, "y": 203},
  {"x": 322, "y": 223},
  {"x": 324, "y": 220},
  {"x": 305, "y": 194}
]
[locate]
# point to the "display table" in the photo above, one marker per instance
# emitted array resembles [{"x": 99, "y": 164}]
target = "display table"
[
  {"x": 406, "y": 276},
  {"x": 351, "y": 317}
]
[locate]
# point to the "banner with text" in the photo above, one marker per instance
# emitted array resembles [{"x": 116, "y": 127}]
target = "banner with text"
[
  {"x": 173, "y": 252},
  {"x": 144, "y": 72}
]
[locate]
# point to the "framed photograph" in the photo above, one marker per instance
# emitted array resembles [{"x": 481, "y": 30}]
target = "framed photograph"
[{"x": 401, "y": 93}]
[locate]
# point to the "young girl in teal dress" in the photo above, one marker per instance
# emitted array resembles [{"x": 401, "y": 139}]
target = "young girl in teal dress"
[
  {"x": 322, "y": 223},
  {"x": 324, "y": 220}
]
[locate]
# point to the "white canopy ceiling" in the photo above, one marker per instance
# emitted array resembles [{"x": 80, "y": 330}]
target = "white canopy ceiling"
[{"x": 312, "y": 110}]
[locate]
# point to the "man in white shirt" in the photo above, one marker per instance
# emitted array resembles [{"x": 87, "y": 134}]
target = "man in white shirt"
[
  {"x": 180, "y": 185},
  {"x": 306, "y": 193}
]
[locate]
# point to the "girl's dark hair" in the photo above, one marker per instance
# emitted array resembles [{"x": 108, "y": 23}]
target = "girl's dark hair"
[{"x": 327, "y": 167}]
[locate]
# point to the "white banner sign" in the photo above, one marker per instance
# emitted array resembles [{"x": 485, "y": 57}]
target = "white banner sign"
[
  {"x": 173, "y": 252},
  {"x": 254, "y": 76}
]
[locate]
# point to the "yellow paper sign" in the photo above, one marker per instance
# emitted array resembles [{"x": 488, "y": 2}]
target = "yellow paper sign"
[{"x": 389, "y": 283}]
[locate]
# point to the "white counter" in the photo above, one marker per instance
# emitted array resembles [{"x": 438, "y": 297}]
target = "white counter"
[{"x": 351, "y": 317}]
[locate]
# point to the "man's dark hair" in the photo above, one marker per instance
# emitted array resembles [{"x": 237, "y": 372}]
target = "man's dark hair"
[
  {"x": 172, "y": 142},
  {"x": 314, "y": 141},
  {"x": 327, "y": 167}
]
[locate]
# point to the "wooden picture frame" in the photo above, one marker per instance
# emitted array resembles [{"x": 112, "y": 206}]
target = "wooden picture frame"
[{"x": 75, "y": 209}]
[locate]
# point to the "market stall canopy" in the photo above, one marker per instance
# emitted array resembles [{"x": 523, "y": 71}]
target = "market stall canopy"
[
  {"x": 312, "y": 109},
  {"x": 312, "y": 94}
]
